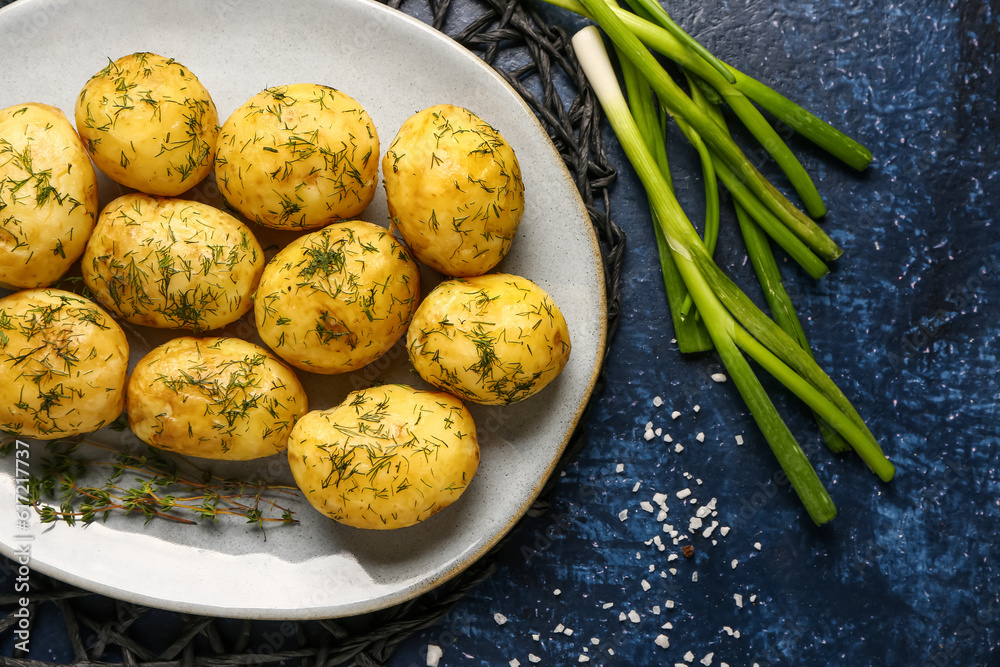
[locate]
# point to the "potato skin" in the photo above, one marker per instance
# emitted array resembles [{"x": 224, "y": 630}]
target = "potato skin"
[
  {"x": 336, "y": 299},
  {"x": 64, "y": 363},
  {"x": 387, "y": 457},
  {"x": 45, "y": 223},
  {"x": 217, "y": 398},
  {"x": 454, "y": 190},
  {"x": 171, "y": 263},
  {"x": 495, "y": 339},
  {"x": 149, "y": 124},
  {"x": 298, "y": 157}
]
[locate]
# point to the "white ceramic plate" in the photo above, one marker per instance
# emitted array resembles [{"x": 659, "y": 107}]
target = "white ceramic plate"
[{"x": 394, "y": 66}]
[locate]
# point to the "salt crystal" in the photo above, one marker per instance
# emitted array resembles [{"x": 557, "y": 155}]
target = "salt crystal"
[
  {"x": 739, "y": 440},
  {"x": 622, "y": 616},
  {"x": 557, "y": 592},
  {"x": 568, "y": 631},
  {"x": 683, "y": 493},
  {"x": 689, "y": 656},
  {"x": 669, "y": 604},
  {"x": 657, "y": 401},
  {"x": 645, "y": 585},
  {"x": 648, "y": 435},
  {"x": 583, "y": 658},
  {"x": 434, "y": 654},
  {"x": 678, "y": 448},
  {"x": 662, "y": 641},
  {"x": 697, "y": 408},
  {"x": 636, "y": 486},
  {"x": 559, "y": 628},
  {"x": 533, "y": 658},
  {"x": 707, "y": 660},
  {"x": 694, "y": 524},
  {"x": 620, "y": 467},
  {"x": 675, "y": 414},
  {"x": 735, "y": 563},
  {"x": 724, "y": 531},
  {"x": 607, "y": 605},
  {"x": 756, "y": 545},
  {"x": 719, "y": 377},
  {"x": 633, "y": 616},
  {"x": 667, "y": 438},
  {"x": 623, "y": 515},
  {"x": 700, "y": 437},
  {"x": 739, "y": 600},
  {"x": 595, "y": 641},
  {"x": 694, "y": 576},
  {"x": 499, "y": 618},
  {"x": 514, "y": 663}
]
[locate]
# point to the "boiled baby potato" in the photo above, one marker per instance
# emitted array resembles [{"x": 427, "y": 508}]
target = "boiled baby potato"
[
  {"x": 149, "y": 124},
  {"x": 48, "y": 195},
  {"x": 336, "y": 299},
  {"x": 298, "y": 157},
  {"x": 495, "y": 339},
  {"x": 63, "y": 361},
  {"x": 216, "y": 398},
  {"x": 387, "y": 457},
  {"x": 172, "y": 263},
  {"x": 454, "y": 190}
]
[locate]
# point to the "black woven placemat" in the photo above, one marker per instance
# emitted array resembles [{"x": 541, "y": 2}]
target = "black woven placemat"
[{"x": 538, "y": 61}]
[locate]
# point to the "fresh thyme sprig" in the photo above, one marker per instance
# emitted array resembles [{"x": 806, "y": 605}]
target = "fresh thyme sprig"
[{"x": 154, "y": 484}]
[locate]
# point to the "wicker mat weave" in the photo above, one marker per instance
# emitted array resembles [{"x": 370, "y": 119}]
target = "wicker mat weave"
[{"x": 537, "y": 60}]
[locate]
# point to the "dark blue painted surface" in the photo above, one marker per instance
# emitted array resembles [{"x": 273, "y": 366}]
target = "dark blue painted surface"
[{"x": 907, "y": 323}]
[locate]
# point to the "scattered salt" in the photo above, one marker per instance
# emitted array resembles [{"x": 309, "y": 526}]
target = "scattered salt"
[
  {"x": 623, "y": 514},
  {"x": 633, "y": 616},
  {"x": 739, "y": 600},
  {"x": 683, "y": 493},
  {"x": 657, "y": 401},
  {"x": 662, "y": 641},
  {"x": 719, "y": 377},
  {"x": 434, "y": 654},
  {"x": 499, "y": 618},
  {"x": 700, "y": 437}
]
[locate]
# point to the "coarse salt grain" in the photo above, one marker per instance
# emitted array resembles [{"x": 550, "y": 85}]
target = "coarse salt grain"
[
  {"x": 568, "y": 631},
  {"x": 739, "y": 440},
  {"x": 514, "y": 663},
  {"x": 622, "y": 616},
  {"x": 633, "y": 616},
  {"x": 620, "y": 467},
  {"x": 557, "y": 592},
  {"x": 735, "y": 563},
  {"x": 667, "y": 438},
  {"x": 623, "y": 515},
  {"x": 707, "y": 660},
  {"x": 636, "y": 486},
  {"x": 559, "y": 628},
  {"x": 583, "y": 658},
  {"x": 675, "y": 414},
  {"x": 678, "y": 448},
  {"x": 434, "y": 654},
  {"x": 657, "y": 401},
  {"x": 607, "y": 605},
  {"x": 756, "y": 545},
  {"x": 645, "y": 585},
  {"x": 700, "y": 437},
  {"x": 739, "y": 600},
  {"x": 683, "y": 493},
  {"x": 533, "y": 658},
  {"x": 669, "y": 604},
  {"x": 662, "y": 641},
  {"x": 697, "y": 408},
  {"x": 499, "y": 618},
  {"x": 595, "y": 641},
  {"x": 689, "y": 656},
  {"x": 719, "y": 377},
  {"x": 648, "y": 435}
]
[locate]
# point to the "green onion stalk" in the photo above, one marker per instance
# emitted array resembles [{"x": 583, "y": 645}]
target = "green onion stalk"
[{"x": 737, "y": 328}]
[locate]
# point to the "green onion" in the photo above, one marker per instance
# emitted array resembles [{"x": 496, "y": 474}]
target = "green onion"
[{"x": 735, "y": 325}]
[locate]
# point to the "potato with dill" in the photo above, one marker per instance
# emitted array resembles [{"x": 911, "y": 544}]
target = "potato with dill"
[
  {"x": 172, "y": 263},
  {"x": 64, "y": 362},
  {"x": 495, "y": 339},
  {"x": 216, "y": 398},
  {"x": 298, "y": 157},
  {"x": 149, "y": 124},
  {"x": 336, "y": 299},
  {"x": 387, "y": 457},
  {"x": 454, "y": 190},
  {"x": 48, "y": 195}
]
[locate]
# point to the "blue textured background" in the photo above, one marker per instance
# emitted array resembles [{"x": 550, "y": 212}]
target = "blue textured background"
[{"x": 907, "y": 323}]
